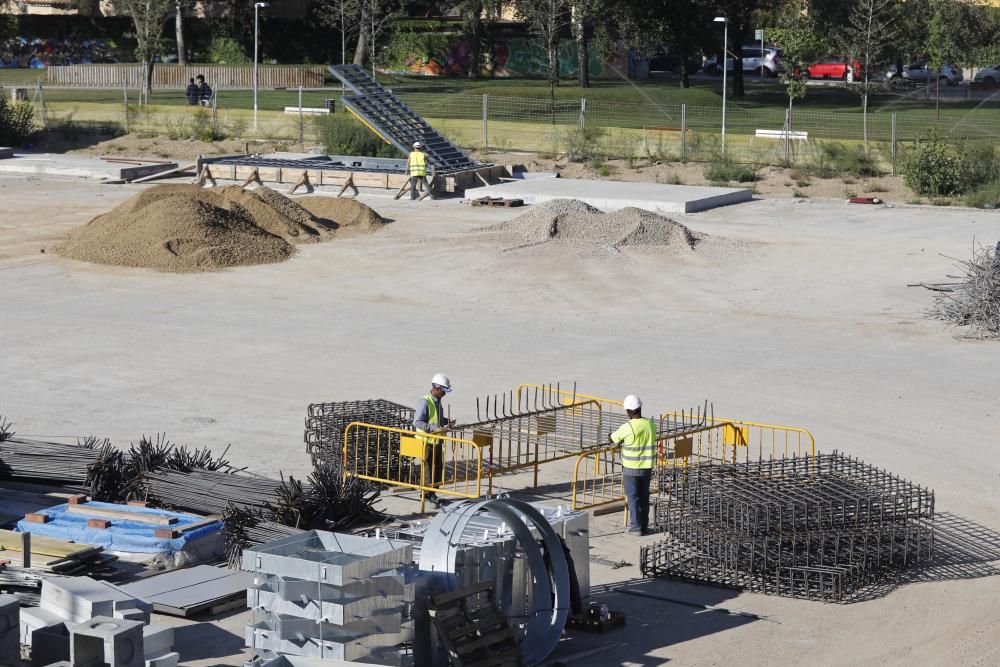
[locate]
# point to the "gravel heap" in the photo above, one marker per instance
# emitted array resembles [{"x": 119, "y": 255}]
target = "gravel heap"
[
  {"x": 184, "y": 228},
  {"x": 573, "y": 222},
  {"x": 342, "y": 212}
]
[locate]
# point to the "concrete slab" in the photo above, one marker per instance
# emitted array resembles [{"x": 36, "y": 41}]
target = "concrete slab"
[
  {"x": 6, "y": 153},
  {"x": 614, "y": 195},
  {"x": 78, "y": 166}
]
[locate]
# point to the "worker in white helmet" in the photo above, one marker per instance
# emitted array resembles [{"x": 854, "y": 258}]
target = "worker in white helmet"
[
  {"x": 637, "y": 437},
  {"x": 429, "y": 418},
  {"x": 416, "y": 168}
]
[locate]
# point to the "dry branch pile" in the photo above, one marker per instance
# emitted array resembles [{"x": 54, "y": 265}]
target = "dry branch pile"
[{"x": 973, "y": 299}]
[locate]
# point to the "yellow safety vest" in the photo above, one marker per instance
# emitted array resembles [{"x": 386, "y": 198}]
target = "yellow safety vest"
[
  {"x": 432, "y": 420},
  {"x": 417, "y": 163},
  {"x": 638, "y": 440}
]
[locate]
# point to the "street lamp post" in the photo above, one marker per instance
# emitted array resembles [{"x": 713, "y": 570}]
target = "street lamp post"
[
  {"x": 725, "y": 52},
  {"x": 256, "y": 38}
]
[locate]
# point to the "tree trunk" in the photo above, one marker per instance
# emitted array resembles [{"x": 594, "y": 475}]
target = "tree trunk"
[
  {"x": 182, "y": 58},
  {"x": 475, "y": 44},
  {"x": 554, "y": 59},
  {"x": 361, "y": 50},
  {"x": 738, "y": 90},
  {"x": 582, "y": 53},
  {"x": 685, "y": 75}
]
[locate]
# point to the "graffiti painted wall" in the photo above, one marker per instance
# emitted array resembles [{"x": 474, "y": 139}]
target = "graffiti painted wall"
[{"x": 508, "y": 57}]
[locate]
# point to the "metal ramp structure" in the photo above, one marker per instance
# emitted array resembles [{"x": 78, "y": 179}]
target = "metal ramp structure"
[{"x": 396, "y": 123}]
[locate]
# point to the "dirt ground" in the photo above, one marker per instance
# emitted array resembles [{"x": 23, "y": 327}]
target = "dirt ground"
[{"x": 812, "y": 325}]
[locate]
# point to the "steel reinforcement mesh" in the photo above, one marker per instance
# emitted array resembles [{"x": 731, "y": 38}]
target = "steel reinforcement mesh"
[
  {"x": 825, "y": 527},
  {"x": 325, "y": 424}
]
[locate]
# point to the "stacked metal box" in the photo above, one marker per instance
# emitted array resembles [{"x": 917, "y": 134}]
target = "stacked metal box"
[{"x": 331, "y": 596}]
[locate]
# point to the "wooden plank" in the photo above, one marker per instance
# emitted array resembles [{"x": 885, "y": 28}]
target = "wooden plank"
[
  {"x": 153, "y": 177},
  {"x": 48, "y": 546},
  {"x": 138, "y": 517}
]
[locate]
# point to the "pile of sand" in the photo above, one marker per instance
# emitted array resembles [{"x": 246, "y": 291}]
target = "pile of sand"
[
  {"x": 575, "y": 223},
  {"x": 184, "y": 228},
  {"x": 342, "y": 212}
]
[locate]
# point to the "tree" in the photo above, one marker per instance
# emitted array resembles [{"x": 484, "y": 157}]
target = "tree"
[
  {"x": 342, "y": 15},
  {"x": 582, "y": 11},
  {"x": 547, "y": 18},
  {"x": 740, "y": 14},
  {"x": 870, "y": 30},
  {"x": 148, "y": 17},
  {"x": 801, "y": 46}
]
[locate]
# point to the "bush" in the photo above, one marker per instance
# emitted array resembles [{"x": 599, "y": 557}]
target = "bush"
[
  {"x": 727, "y": 171},
  {"x": 836, "y": 159},
  {"x": 935, "y": 169},
  {"x": 585, "y": 145},
  {"x": 987, "y": 196},
  {"x": 226, "y": 51},
  {"x": 343, "y": 135},
  {"x": 17, "y": 121}
]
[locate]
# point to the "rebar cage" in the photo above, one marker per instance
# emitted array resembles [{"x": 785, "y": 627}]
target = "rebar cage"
[{"x": 824, "y": 527}]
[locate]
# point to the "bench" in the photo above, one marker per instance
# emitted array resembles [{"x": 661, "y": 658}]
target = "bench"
[
  {"x": 781, "y": 134},
  {"x": 308, "y": 111}
]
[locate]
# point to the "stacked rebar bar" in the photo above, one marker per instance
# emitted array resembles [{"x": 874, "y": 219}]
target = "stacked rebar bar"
[
  {"x": 824, "y": 527},
  {"x": 48, "y": 461},
  {"x": 326, "y": 422}
]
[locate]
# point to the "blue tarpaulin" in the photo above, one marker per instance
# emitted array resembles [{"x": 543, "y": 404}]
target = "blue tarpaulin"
[{"x": 124, "y": 534}]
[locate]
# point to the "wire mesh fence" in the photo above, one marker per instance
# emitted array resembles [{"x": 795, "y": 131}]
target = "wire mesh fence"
[{"x": 580, "y": 129}]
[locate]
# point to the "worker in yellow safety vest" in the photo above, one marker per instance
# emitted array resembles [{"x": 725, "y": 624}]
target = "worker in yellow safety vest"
[
  {"x": 637, "y": 437},
  {"x": 416, "y": 167},
  {"x": 429, "y": 418}
]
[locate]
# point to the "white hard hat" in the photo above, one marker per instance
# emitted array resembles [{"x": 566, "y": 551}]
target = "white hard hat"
[
  {"x": 632, "y": 402},
  {"x": 441, "y": 380},
  {"x": 417, "y": 144}
]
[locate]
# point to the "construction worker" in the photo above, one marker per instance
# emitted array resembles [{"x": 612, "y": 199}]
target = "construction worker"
[
  {"x": 416, "y": 167},
  {"x": 637, "y": 437},
  {"x": 429, "y": 418}
]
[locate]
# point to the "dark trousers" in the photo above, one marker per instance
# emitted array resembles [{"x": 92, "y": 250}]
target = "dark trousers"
[
  {"x": 413, "y": 185},
  {"x": 637, "y": 494},
  {"x": 434, "y": 460}
]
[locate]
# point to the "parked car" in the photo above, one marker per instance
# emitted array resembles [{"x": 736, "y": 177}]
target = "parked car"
[
  {"x": 921, "y": 72},
  {"x": 989, "y": 75},
  {"x": 671, "y": 62},
  {"x": 834, "y": 67},
  {"x": 768, "y": 65}
]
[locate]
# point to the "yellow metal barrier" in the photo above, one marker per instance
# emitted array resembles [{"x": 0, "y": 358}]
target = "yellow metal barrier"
[
  {"x": 389, "y": 456},
  {"x": 759, "y": 442},
  {"x": 597, "y": 478}
]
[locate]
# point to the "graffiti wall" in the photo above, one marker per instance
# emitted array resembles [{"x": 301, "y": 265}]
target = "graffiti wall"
[{"x": 508, "y": 57}]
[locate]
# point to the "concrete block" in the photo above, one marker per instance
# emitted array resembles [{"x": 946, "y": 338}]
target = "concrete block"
[
  {"x": 132, "y": 615},
  {"x": 157, "y": 639},
  {"x": 105, "y": 640},
  {"x": 6, "y": 153},
  {"x": 164, "y": 660},
  {"x": 49, "y": 644},
  {"x": 34, "y": 618},
  {"x": 61, "y": 663}
]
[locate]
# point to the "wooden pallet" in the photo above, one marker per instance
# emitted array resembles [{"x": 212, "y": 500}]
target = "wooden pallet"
[
  {"x": 473, "y": 629},
  {"x": 497, "y": 201}
]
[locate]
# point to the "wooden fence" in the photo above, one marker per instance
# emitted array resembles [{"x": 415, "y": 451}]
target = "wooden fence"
[{"x": 177, "y": 76}]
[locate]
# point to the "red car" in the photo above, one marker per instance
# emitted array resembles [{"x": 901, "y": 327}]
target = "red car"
[{"x": 834, "y": 67}]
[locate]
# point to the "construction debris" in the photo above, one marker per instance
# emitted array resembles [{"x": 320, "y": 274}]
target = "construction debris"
[
  {"x": 825, "y": 528},
  {"x": 973, "y": 299}
]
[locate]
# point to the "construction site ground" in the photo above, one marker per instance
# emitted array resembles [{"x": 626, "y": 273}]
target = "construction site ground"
[{"x": 809, "y": 322}]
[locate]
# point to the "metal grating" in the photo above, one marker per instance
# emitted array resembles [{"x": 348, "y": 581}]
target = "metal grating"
[{"x": 396, "y": 122}]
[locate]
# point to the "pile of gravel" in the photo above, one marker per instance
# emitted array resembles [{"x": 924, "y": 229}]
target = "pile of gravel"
[
  {"x": 341, "y": 212},
  {"x": 575, "y": 223},
  {"x": 184, "y": 228}
]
